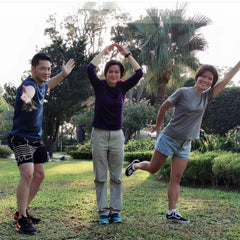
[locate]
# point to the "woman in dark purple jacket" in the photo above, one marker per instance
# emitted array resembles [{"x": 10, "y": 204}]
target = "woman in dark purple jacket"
[{"x": 107, "y": 136}]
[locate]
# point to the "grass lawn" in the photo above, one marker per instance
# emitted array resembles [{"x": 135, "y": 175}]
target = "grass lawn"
[{"x": 67, "y": 205}]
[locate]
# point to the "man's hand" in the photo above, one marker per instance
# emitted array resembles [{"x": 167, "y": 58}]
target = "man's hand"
[
  {"x": 27, "y": 95},
  {"x": 68, "y": 67}
]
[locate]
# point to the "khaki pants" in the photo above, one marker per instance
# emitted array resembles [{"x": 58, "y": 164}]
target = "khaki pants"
[{"x": 108, "y": 153}]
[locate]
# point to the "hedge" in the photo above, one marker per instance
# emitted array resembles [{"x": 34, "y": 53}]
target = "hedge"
[
  {"x": 5, "y": 152},
  {"x": 204, "y": 169},
  {"x": 81, "y": 155},
  {"x": 226, "y": 169},
  {"x": 142, "y": 156}
]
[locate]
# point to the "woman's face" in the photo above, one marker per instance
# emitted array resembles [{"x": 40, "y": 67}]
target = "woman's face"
[
  {"x": 113, "y": 75},
  {"x": 205, "y": 80}
]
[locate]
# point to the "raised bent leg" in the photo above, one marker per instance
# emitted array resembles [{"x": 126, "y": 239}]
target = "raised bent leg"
[{"x": 154, "y": 165}]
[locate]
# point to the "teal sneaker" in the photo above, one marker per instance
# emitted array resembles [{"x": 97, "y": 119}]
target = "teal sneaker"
[
  {"x": 103, "y": 219},
  {"x": 115, "y": 218}
]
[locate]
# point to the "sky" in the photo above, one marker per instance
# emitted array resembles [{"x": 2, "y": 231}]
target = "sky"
[{"x": 22, "y": 25}]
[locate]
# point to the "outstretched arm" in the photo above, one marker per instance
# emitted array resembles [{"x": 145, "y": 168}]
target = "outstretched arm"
[
  {"x": 219, "y": 86},
  {"x": 128, "y": 55},
  {"x": 66, "y": 70}
]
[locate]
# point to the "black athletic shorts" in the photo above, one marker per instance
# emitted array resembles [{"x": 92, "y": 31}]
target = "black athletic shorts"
[{"x": 28, "y": 150}]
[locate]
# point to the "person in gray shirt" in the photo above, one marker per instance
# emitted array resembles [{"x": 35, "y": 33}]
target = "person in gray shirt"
[{"x": 175, "y": 139}]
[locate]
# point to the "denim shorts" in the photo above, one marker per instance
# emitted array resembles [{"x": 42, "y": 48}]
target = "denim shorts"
[{"x": 173, "y": 147}]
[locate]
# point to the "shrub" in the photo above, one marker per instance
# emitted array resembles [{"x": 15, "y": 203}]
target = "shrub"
[
  {"x": 82, "y": 151},
  {"x": 164, "y": 171},
  {"x": 204, "y": 143},
  {"x": 70, "y": 148},
  {"x": 219, "y": 120},
  {"x": 233, "y": 139},
  {"x": 142, "y": 156},
  {"x": 198, "y": 171},
  {"x": 222, "y": 145},
  {"x": 226, "y": 168},
  {"x": 140, "y": 145},
  {"x": 80, "y": 155},
  {"x": 86, "y": 147},
  {"x": 137, "y": 115},
  {"x": 5, "y": 152}
]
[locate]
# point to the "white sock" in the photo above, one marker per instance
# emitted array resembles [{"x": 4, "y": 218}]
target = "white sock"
[
  {"x": 172, "y": 211},
  {"x": 133, "y": 167}
]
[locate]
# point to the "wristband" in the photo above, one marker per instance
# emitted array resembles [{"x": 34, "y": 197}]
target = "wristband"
[
  {"x": 128, "y": 54},
  {"x": 63, "y": 74}
]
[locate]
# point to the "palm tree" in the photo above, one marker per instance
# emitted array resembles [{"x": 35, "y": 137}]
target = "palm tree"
[{"x": 168, "y": 42}]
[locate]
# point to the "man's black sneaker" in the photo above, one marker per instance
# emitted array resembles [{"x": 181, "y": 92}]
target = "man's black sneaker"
[
  {"x": 31, "y": 219},
  {"x": 129, "y": 170},
  {"x": 176, "y": 217},
  {"x": 25, "y": 226}
]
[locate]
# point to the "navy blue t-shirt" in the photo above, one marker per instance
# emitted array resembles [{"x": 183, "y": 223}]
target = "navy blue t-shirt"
[{"x": 29, "y": 123}]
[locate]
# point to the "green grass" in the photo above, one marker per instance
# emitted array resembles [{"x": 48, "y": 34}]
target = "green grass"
[{"x": 67, "y": 205}]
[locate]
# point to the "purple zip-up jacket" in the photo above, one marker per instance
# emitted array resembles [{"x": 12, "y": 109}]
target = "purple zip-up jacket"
[{"x": 109, "y": 100}]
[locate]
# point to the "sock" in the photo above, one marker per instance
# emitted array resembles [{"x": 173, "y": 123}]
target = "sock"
[
  {"x": 133, "y": 167},
  {"x": 170, "y": 211}
]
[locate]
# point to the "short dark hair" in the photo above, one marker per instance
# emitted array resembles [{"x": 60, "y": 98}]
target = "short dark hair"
[
  {"x": 39, "y": 56},
  {"x": 204, "y": 68},
  {"x": 111, "y": 63}
]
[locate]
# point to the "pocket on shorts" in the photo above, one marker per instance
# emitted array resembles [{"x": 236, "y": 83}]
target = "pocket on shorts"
[{"x": 14, "y": 141}]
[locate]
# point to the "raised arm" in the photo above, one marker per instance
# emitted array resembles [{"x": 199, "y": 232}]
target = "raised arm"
[
  {"x": 66, "y": 70},
  {"x": 128, "y": 55},
  {"x": 96, "y": 60},
  {"x": 219, "y": 86}
]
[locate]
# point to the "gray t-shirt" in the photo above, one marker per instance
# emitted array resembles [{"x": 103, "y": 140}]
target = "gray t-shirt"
[{"x": 187, "y": 117}]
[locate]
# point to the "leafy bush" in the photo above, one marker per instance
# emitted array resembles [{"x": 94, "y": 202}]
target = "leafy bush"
[
  {"x": 221, "y": 144},
  {"x": 5, "y": 152},
  {"x": 80, "y": 155},
  {"x": 204, "y": 144},
  {"x": 142, "y": 156},
  {"x": 198, "y": 171},
  {"x": 139, "y": 145},
  {"x": 70, "y": 148},
  {"x": 137, "y": 115},
  {"x": 233, "y": 139},
  {"x": 226, "y": 169},
  {"x": 86, "y": 116},
  {"x": 222, "y": 114},
  {"x": 86, "y": 147},
  {"x": 164, "y": 171},
  {"x": 82, "y": 151}
]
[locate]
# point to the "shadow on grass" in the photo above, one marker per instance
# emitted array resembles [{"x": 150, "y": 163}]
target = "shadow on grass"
[{"x": 66, "y": 203}]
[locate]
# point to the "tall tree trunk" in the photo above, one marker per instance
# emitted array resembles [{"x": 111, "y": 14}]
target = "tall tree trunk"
[
  {"x": 162, "y": 86},
  {"x": 80, "y": 134},
  {"x": 161, "y": 94},
  {"x": 140, "y": 91},
  {"x": 50, "y": 133},
  {"x": 129, "y": 95}
]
